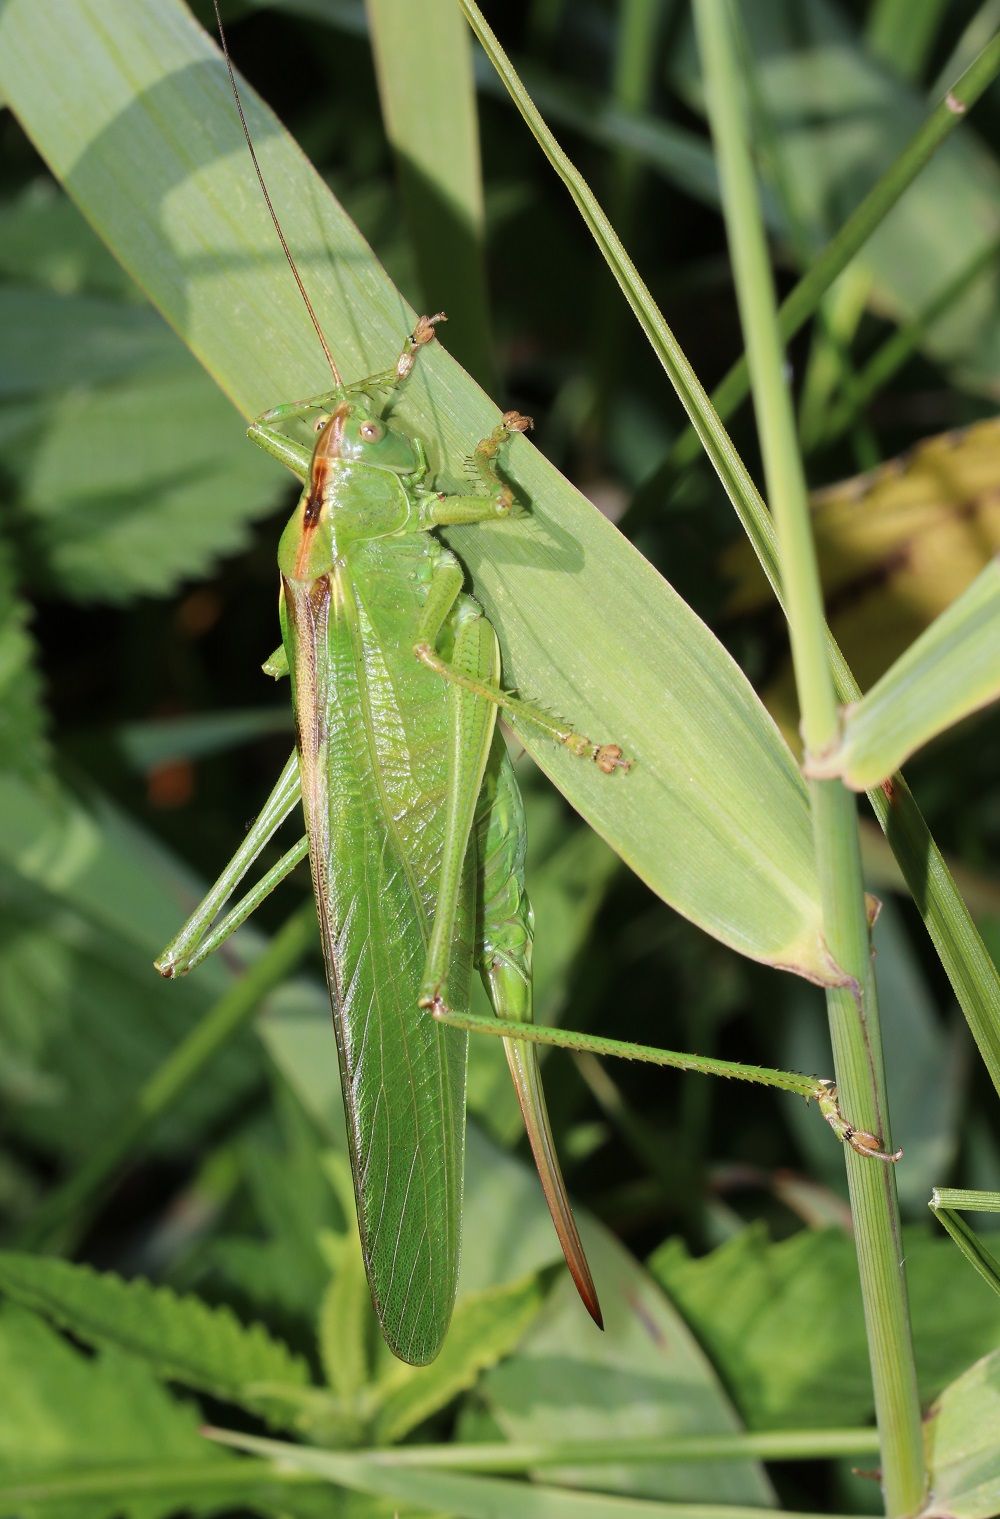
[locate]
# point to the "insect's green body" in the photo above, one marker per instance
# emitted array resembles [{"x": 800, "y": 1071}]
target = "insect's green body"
[
  {"x": 415, "y": 834},
  {"x": 379, "y": 735}
]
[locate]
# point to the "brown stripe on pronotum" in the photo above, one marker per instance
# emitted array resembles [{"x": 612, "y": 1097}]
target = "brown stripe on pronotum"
[{"x": 328, "y": 445}]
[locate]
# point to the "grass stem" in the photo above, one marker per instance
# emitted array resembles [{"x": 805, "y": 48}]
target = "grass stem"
[{"x": 852, "y": 1006}]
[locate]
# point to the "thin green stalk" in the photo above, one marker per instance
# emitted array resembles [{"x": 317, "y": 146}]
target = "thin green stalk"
[
  {"x": 966, "y": 960},
  {"x": 837, "y": 315},
  {"x": 527, "y": 1455},
  {"x": 852, "y": 1007},
  {"x": 128, "y": 1485},
  {"x": 636, "y": 58},
  {"x": 66, "y": 1211},
  {"x": 902, "y": 34},
  {"x": 803, "y": 298},
  {"x": 889, "y": 358},
  {"x": 478, "y": 1497}
]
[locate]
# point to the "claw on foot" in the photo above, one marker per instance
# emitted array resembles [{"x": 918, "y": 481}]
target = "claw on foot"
[
  {"x": 860, "y": 1140},
  {"x": 422, "y": 333},
  {"x": 609, "y": 758},
  {"x": 866, "y": 1144}
]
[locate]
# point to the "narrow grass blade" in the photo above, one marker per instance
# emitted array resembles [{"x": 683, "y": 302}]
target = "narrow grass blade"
[
  {"x": 475, "y": 1497},
  {"x": 952, "y": 669},
  {"x": 423, "y": 63},
  {"x": 947, "y": 1203}
]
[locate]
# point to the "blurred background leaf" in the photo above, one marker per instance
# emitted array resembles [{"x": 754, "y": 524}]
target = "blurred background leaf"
[{"x": 896, "y": 546}]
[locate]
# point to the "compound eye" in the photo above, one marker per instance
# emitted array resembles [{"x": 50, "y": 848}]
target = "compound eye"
[
  {"x": 321, "y": 422},
  {"x": 371, "y": 432}
]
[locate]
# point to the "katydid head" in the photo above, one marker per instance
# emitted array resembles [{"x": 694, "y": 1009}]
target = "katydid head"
[{"x": 357, "y": 433}]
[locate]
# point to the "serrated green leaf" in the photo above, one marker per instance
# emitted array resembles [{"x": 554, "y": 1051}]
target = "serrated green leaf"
[
  {"x": 695, "y": 818},
  {"x": 962, "y": 1446},
  {"x": 485, "y": 1327},
  {"x": 128, "y": 475},
  {"x": 784, "y": 1324},
  {"x": 180, "y": 1337},
  {"x": 129, "y": 489},
  {"x": 98, "y": 1437},
  {"x": 23, "y": 747},
  {"x": 951, "y": 670}
]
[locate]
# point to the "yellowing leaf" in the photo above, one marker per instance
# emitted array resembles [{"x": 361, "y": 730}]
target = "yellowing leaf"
[{"x": 896, "y": 547}]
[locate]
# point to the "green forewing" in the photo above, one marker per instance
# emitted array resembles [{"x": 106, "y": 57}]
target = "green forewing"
[
  {"x": 143, "y": 133},
  {"x": 374, "y": 732}
]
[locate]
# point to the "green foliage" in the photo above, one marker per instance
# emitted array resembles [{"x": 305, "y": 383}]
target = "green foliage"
[
  {"x": 686, "y": 707},
  {"x": 182, "y": 1338},
  {"x": 952, "y": 669},
  {"x": 783, "y": 1322},
  {"x": 137, "y": 595},
  {"x": 87, "y": 900},
  {"x": 117, "y": 440},
  {"x": 23, "y": 747},
  {"x": 88, "y": 1437},
  {"x": 962, "y": 1443},
  {"x": 486, "y": 1327}
]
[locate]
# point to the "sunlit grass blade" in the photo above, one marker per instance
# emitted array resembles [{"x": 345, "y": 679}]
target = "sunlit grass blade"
[
  {"x": 952, "y": 669},
  {"x": 143, "y": 133},
  {"x": 423, "y": 63}
]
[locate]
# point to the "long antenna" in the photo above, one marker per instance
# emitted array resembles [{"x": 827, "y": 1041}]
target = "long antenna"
[{"x": 337, "y": 378}]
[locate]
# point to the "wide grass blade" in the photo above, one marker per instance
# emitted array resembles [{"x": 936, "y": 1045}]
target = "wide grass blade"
[{"x": 143, "y": 133}]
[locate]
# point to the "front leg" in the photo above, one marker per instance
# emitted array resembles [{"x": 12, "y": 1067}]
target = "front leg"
[
  {"x": 266, "y": 431},
  {"x": 495, "y": 500}
]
